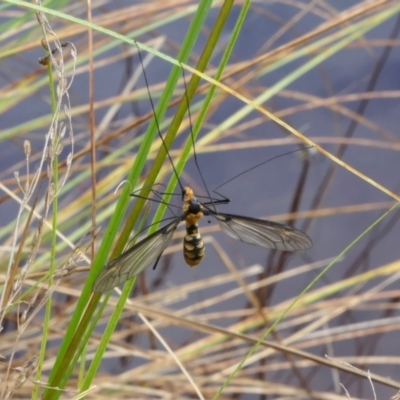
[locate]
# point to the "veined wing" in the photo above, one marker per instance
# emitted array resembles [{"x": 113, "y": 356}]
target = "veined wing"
[
  {"x": 262, "y": 233},
  {"x": 136, "y": 259}
]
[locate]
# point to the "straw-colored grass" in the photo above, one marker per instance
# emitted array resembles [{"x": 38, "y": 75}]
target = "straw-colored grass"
[{"x": 79, "y": 136}]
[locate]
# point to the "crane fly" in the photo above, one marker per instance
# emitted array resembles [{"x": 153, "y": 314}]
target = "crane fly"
[{"x": 148, "y": 251}]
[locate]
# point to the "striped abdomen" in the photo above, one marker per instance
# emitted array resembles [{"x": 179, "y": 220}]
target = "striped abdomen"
[{"x": 193, "y": 246}]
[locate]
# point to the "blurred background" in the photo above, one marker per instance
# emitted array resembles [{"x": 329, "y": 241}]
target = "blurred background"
[{"x": 328, "y": 69}]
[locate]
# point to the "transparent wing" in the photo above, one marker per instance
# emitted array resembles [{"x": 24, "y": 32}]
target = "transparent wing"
[
  {"x": 136, "y": 259},
  {"x": 262, "y": 233}
]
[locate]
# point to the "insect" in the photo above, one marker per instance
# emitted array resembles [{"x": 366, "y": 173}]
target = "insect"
[
  {"x": 148, "y": 251},
  {"x": 46, "y": 60}
]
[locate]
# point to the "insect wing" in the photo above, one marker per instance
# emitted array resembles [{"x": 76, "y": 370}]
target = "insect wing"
[
  {"x": 258, "y": 232},
  {"x": 136, "y": 259}
]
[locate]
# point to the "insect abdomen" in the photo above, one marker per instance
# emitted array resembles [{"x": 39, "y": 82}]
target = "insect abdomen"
[{"x": 193, "y": 246}]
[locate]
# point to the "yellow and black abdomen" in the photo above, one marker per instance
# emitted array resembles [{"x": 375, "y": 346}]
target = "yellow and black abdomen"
[{"x": 193, "y": 246}]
